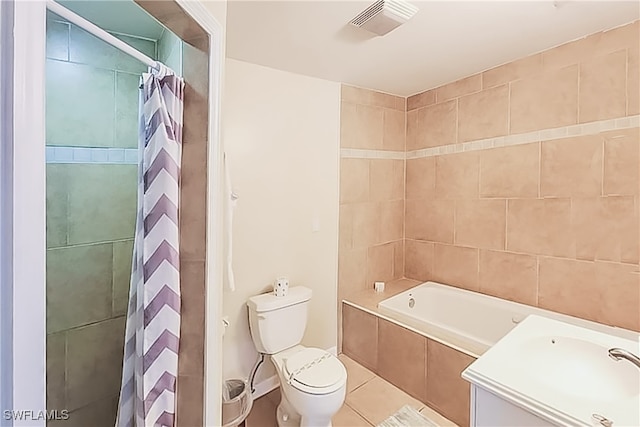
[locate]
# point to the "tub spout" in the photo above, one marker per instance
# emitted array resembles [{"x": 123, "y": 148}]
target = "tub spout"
[{"x": 619, "y": 354}]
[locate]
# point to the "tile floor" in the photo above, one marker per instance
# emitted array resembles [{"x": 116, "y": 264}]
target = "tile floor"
[{"x": 370, "y": 400}]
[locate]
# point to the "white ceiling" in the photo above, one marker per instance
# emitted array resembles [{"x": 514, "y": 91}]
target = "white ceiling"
[
  {"x": 120, "y": 16},
  {"x": 445, "y": 41}
]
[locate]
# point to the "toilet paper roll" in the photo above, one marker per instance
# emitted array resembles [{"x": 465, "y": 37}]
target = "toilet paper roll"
[{"x": 281, "y": 287}]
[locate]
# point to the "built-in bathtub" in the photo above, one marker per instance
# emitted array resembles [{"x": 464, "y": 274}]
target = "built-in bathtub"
[
  {"x": 469, "y": 321},
  {"x": 421, "y": 336}
]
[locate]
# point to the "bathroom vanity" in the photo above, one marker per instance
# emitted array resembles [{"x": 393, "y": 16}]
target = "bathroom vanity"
[{"x": 549, "y": 373}]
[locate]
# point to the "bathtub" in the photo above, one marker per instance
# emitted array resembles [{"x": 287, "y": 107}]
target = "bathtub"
[{"x": 469, "y": 321}]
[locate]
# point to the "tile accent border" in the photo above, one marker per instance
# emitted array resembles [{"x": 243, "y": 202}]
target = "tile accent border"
[
  {"x": 502, "y": 141},
  {"x": 356, "y": 153},
  {"x": 90, "y": 155}
]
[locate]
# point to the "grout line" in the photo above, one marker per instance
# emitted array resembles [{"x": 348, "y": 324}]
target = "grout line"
[
  {"x": 603, "y": 142},
  {"x": 539, "y": 169},
  {"x": 509, "y": 109},
  {"x": 578, "y": 103}
]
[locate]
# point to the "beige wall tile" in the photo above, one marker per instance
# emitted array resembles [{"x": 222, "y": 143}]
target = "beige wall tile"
[
  {"x": 360, "y": 336},
  {"x": 571, "y": 167},
  {"x": 458, "y": 88},
  {"x": 621, "y": 162},
  {"x": 456, "y": 266},
  {"x": 594, "y": 45},
  {"x": 192, "y": 315},
  {"x": 429, "y": 220},
  {"x": 380, "y": 99},
  {"x": 604, "y": 292},
  {"x": 352, "y": 270},
  {"x": 525, "y": 67},
  {"x": 484, "y": 114},
  {"x": 412, "y": 130},
  {"x": 401, "y": 103},
  {"x": 345, "y": 226},
  {"x": 606, "y": 228},
  {"x": 94, "y": 362},
  {"x": 394, "y": 130},
  {"x": 457, "y": 176},
  {"x": 366, "y": 225},
  {"x": 510, "y": 171},
  {"x": 354, "y": 180},
  {"x": 391, "y": 220},
  {"x": 540, "y": 226},
  {"x": 633, "y": 82},
  {"x": 626, "y": 36},
  {"x": 361, "y": 126},
  {"x": 566, "y": 54},
  {"x": 510, "y": 276},
  {"x": 378, "y": 399},
  {"x": 380, "y": 263},
  {"x": 386, "y": 180},
  {"x": 545, "y": 101},
  {"x": 398, "y": 259},
  {"x": 421, "y": 178},
  {"x": 355, "y": 95},
  {"x": 402, "y": 358},
  {"x": 447, "y": 392},
  {"x": 421, "y": 100},
  {"x": 481, "y": 223},
  {"x": 603, "y": 87},
  {"x": 193, "y": 200},
  {"x": 436, "y": 125},
  {"x": 190, "y": 401},
  {"x": 418, "y": 257}
]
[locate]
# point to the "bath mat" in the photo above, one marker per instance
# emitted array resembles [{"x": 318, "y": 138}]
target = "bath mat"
[{"x": 407, "y": 417}]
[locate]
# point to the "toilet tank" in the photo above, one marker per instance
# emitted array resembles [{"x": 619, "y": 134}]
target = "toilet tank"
[{"x": 278, "y": 323}]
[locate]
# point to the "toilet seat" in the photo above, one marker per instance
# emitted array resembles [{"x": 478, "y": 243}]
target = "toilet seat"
[{"x": 315, "y": 371}]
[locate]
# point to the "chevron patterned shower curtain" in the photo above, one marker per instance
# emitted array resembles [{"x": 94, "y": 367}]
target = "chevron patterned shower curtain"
[{"x": 150, "y": 366}]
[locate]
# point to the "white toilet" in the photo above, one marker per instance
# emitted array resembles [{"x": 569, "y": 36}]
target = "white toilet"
[{"x": 312, "y": 381}]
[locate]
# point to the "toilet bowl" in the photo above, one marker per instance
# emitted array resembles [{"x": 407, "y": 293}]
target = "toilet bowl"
[
  {"x": 313, "y": 385},
  {"x": 313, "y": 381}
]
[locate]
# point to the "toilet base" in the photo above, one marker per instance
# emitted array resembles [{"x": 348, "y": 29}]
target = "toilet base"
[{"x": 288, "y": 417}]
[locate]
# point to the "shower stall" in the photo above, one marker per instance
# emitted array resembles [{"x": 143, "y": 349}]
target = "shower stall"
[{"x": 92, "y": 96}]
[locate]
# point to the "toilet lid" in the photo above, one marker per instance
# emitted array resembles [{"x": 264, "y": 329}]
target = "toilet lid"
[{"x": 315, "y": 368}]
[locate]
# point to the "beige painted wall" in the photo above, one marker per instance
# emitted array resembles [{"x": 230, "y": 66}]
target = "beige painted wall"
[{"x": 281, "y": 136}]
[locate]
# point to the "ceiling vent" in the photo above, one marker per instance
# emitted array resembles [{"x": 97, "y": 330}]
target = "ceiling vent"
[{"x": 384, "y": 15}]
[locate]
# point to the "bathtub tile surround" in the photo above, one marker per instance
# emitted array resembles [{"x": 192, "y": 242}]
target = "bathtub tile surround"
[
  {"x": 521, "y": 182},
  {"x": 371, "y": 224},
  {"x": 423, "y": 368},
  {"x": 406, "y": 368}
]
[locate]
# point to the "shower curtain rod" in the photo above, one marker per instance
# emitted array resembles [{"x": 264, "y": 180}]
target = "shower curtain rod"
[{"x": 65, "y": 13}]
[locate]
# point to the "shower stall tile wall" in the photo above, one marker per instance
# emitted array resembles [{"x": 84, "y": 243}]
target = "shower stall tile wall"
[{"x": 92, "y": 110}]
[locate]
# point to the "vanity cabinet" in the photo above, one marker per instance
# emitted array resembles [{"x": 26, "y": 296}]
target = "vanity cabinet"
[{"x": 489, "y": 410}]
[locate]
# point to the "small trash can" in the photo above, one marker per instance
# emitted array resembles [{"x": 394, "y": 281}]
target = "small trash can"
[{"x": 236, "y": 402}]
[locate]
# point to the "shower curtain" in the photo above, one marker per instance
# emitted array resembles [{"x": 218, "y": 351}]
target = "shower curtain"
[{"x": 150, "y": 366}]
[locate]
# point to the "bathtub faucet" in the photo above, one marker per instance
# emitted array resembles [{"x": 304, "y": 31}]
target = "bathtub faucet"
[{"x": 619, "y": 354}]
